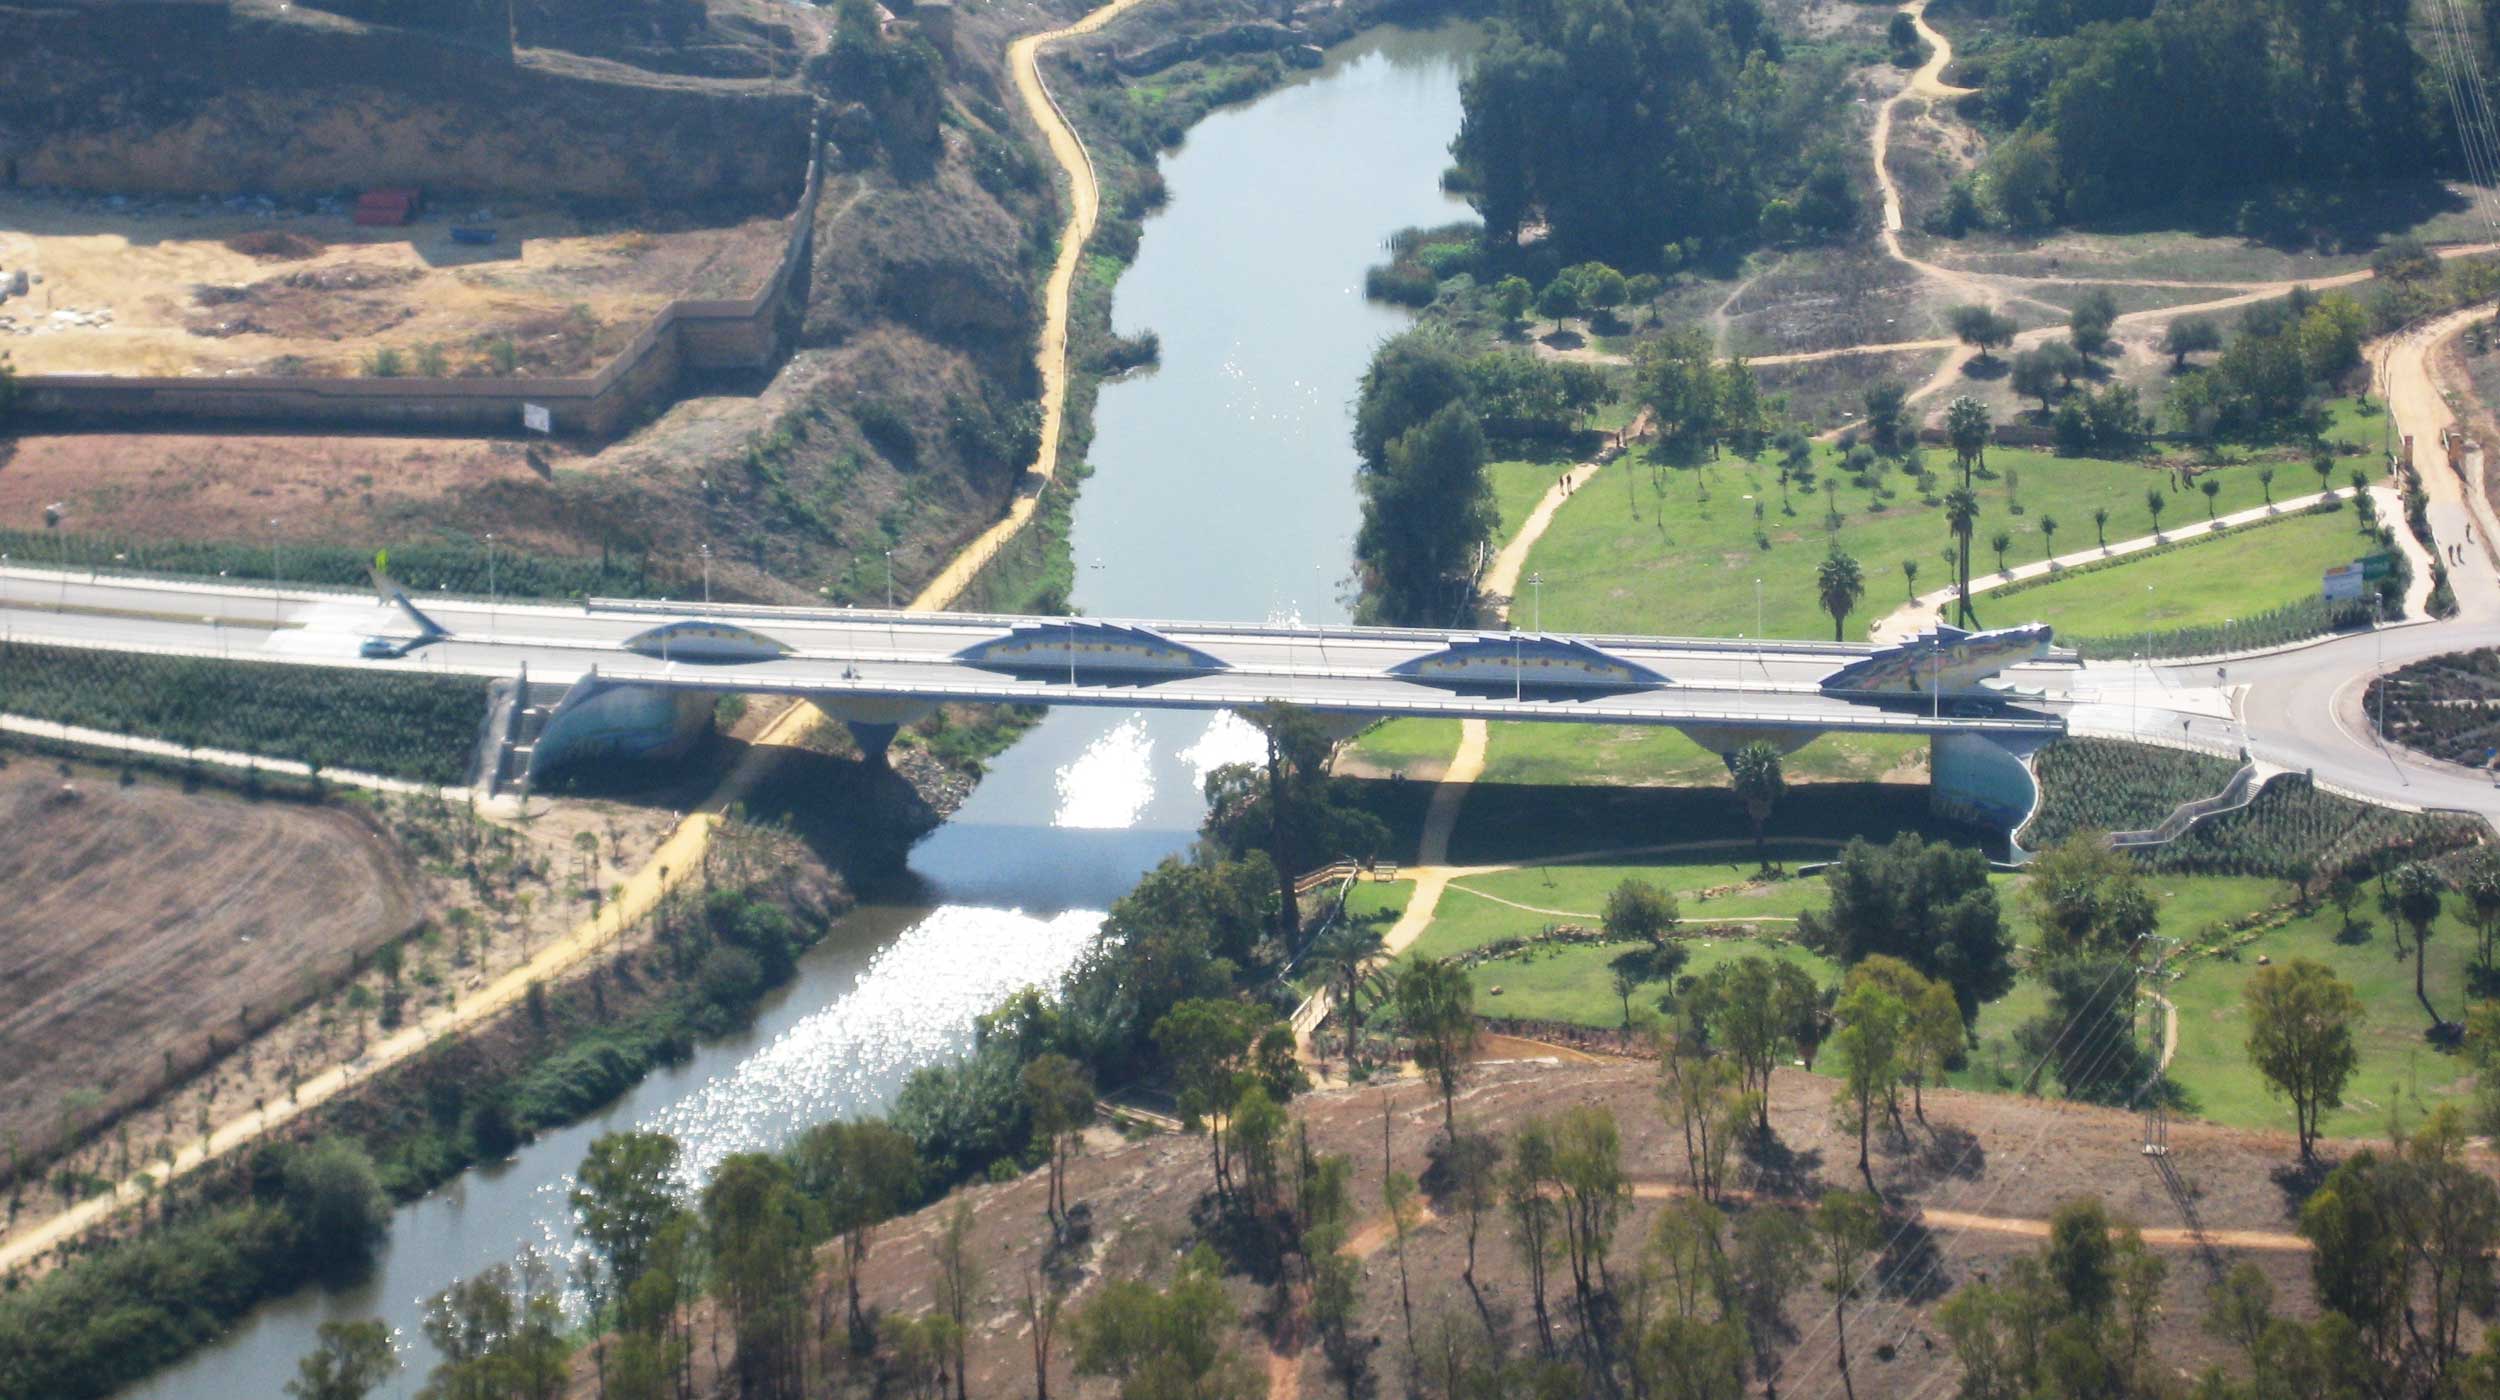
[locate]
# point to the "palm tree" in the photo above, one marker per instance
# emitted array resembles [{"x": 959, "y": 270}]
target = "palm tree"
[
  {"x": 1909, "y": 578},
  {"x": 2324, "y": 465},
  {"x": 1831, "y": 504},
  {"x": 2212, "y": 487},
  {"x": 1961, "y": 510},
  {"x": 1966, "y": 427},
  {"x": 1754, "y": 771},
  {"x": 1839, "y": 584},
  {"x": 2154, "y": 501},
  {"x": 2001, "y": 541},
  {"x": 2048, "y": 537},
  {"x": 2418, "y": 888},
  {"x": 2265, "y": 483},
  {"x": 2100, "y": 525},
  {"x": 1343, "y": 956}
]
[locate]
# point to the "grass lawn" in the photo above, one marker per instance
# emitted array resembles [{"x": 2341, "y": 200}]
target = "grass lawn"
[
  {"x": 2203, "y": 583},
  {"x": 1674, "y": 549},
  {"x": 1517, "y": 487},
  {"x": 2395, "y": 1061},
  {"x": 1575, "y": 894},
  {"x": 1401, "y": 744},
  {"x": 1575, "y": 982}
]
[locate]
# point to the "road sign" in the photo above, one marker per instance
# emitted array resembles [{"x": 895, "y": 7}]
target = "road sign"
[
  {"x": 536, "y": 418},
  {"x": 2343, "y": 582},
  {"x": 2377, "y": 566}
]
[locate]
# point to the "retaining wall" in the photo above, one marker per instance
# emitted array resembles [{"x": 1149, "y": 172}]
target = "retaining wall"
[{"x": 686, "y": 335}]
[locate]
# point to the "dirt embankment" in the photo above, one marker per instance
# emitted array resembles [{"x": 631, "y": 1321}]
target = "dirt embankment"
[
  {"x": 148, "y": 929},
  {"x": 1986, "y": 1171}
]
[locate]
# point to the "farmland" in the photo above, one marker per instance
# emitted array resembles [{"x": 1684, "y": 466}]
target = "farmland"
[
  {"x": 148, "y": 927},
  {"x": 420, "y": 728}
]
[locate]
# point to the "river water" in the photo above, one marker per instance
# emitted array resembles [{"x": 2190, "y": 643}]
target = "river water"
[{"x": 1223, "y": 488}]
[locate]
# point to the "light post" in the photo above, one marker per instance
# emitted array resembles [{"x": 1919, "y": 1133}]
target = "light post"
[
  {"x": 1536, "y": 603},
  {"x": 2132, "y": 682},
  {"x": 490, "y": 582},
  {"x": 889, "y": 581},
  {"x": 1515, "y": 683},
  {"x": 277, "y": 577},
  {"x": 52, "y": 522},
  {"x": 707, "y": 574}
]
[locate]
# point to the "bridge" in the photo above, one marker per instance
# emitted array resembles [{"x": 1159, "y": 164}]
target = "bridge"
[{"x": 638, "y": 676}]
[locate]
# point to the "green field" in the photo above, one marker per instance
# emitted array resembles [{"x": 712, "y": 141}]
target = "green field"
[
  {"x": 1673, "y": 549},
  {"x": 1575, "y": 983},
  {"x": 2206, "y": 582},
  {"x": 2396, "y": 1061}
]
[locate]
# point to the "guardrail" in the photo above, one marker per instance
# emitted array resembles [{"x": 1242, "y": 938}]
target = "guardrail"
[{"x": 2237, "y": 793}]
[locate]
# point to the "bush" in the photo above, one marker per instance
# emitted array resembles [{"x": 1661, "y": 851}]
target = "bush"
[
  {"x": 1401, "y": 283},
  {"x": 335, "y": 1202},
  {"x": 417, "y": 727}
]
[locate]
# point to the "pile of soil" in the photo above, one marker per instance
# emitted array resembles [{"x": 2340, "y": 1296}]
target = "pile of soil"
[{"x": 276, "y": 245}]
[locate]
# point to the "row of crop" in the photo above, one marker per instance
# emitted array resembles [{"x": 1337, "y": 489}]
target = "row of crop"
[
  {"x": 2293, "y": 622},
  {"x": 2292, "y": 829},
  {"x": 399, "y": 725},
  {"x": 453, "y": 566},
  {"x": 2107, "y": 785},
  {"x": 2447, "y": 706}
]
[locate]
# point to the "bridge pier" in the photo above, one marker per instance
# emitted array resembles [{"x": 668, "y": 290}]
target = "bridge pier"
[
  {"x": 874, "y": 720},
  {"x": 1985, "y": 778}
]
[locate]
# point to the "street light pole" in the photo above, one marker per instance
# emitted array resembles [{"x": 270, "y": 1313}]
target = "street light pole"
[
  {"x": 277, "y": 576},
  {"x": 490, "y": 583},
  {"x": 1515, "y": 684},
  {"x": 889, "y": 579},
  {"x": 707, "y": 575},
  {"x": 1536, "y": 603}
]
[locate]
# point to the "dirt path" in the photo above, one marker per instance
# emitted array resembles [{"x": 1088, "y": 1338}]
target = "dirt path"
[
  {"x": 680, "y": 856},
  {"x": 2420, "y": 410},
  {"x": 1084, "y": 205}
]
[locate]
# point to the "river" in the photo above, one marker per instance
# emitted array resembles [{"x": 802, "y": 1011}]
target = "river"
[{"x": 1223, "y": 488}]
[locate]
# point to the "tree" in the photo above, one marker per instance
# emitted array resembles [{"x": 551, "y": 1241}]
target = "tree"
[
  {"x": 2300, "y": 1023},
  {"x": 1044, "y": 1299},
  {"x": 1873, "y": 1026},
  {"x": 859, "y": 1173},
  {"x": 2418, "y": 891},
  {"x": 1059, "y": 1093},
  {"x": 1966, "y": 426},
  {"x": 2048, "y": 536},
  {"x": 1754, "y": 772},
  {"x": 1980, "y": 327},
  {"x": 1533, "y": 1212},
  {"x": 755, "y": 1219},
  {"x": 1274, "y": 820},
  {"x": 1961, "y": 510},
  {"x": 1559, "y": 302},
  {"x": 1207, "y": 1042},
  {"x": 1847, "y": 1227},
  {"x": 2086, "y": 898},
  {"x": 2401, "y": 1248},
  {"x": 1931, "y": 906},
  {"x": 1886, "y": 402},
  {"x": 501, "y": 1336},
  {"x": 2000, "y": 542},
  {"x": 1751, "y": 1007},
  {"x": 1343, "y": 957},
  {"x": 623, "y": 1193},
  {"x": 1601, "y": 288},
  {"x": 1705, "y": 1098},
  {"x": 1437, "y": 1004},
  {"x": 1909, "y": 579},
  {"x": 2100, "y": 526},
  {"x": 1168, "y": 1344},
  {"x": 1426, "y": 510},
  {"x": 2481, "y": 886},
  {"x": 1588, "y": 1176},
  {"x": 2156, "y": 502},
  {"x": 2212, "y": 487},
  {"x": 1839, "y": 585},
  {"x": 1638, "y": 909},
  {"x": 1682, "y": 385},
  {"x": 2324, "y": 465},
  {"x": 352, "y": 1359},
  {"x": 1472, "y": 1163},
  {"x": 2189, "y": 335},
  {"x": 1512, "y": 296},
  {"x": 334, "y": 1199},
  {"x": 2036, "y": 376},
  {"x": 2265, "y": 483},
  {"x": 957, "y": 1282},
  {"x": 2087, "y": 326}
]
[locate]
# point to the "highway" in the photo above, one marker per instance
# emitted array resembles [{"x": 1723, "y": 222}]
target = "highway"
[{"x": 880, "y": 654}]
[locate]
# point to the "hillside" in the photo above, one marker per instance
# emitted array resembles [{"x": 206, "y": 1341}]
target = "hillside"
[{"x": 1975, "y": 1186}]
